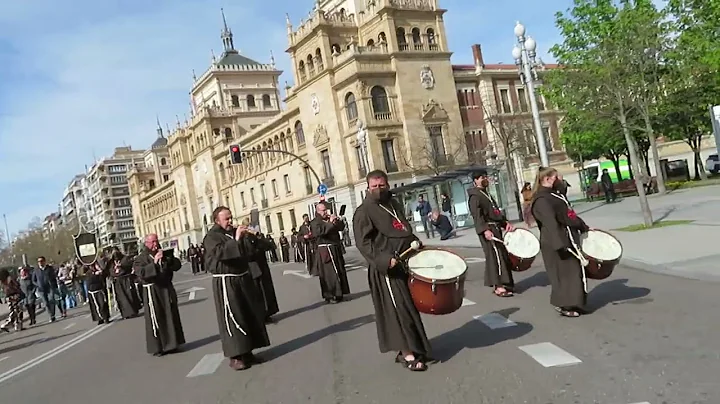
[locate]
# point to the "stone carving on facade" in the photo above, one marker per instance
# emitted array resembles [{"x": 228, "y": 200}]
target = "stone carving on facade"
[
  {"x": 183, "y": 201},
  {"x": 362, "y": 87},
  {"x": 427, "y": 79},
  {"x": 433, "y": 112},
  {"x": 208, "y": 189},
  {"x": 315, "y": 104},
  {"x": 321, "y": 137}
]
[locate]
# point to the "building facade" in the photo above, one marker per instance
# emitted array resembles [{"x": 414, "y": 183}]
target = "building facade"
[
  {"x": 73, "y": 201},
  {"x": 108, "y": 196}
]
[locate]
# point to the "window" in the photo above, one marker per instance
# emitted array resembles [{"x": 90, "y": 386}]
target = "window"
[
  {"x": 530, "y": 142},
  {"x": 263, "y": 195},
  {"x": 548, "y": 139},
  {"x": 361, "y": 161},
  {"x": 431, "y": 36},
  {"x": 299, "y": 134},
  {"x": 402, "y": 40},
  {"x": 235, "y": 100},
  {"x": 252, "y": 196},
  {"x": 268, "y": 224},
  {"x": 266, "y": 101},
  {"x": 505, "y": 101},
  {"x": 389, "y": 156},
  {"x": 281, "y": 223},
  {"x": 166, "y": 178},
  {"x": 286, "y": 180},
  {"x": 522, "y": 100},
  {"x": 273, "y": 183},
  {"x": 308, "y": 180},
  {"x": 436, "y": 142},
  {"x": 242, "y": 199},
  {"x": 416, "y": 36},
  {"x": 251, "y": 101},
  {"x": 540, "y": 102},
  {"x": 228, "y": 133},
  {"x": 293, "y": 219},
  {"x": 327, "y": 168},
  {"x": 351, "y": 107},
  {"x": 380, "y": 104}
]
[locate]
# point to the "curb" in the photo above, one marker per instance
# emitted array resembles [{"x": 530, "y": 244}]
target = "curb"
[{"x": 640, "y": 265}]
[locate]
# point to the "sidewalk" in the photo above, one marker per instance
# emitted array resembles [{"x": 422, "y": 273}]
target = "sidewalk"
[{"x": 689, "y": 251}]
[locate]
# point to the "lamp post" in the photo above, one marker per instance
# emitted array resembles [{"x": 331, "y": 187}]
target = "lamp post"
[{"x": 524, "y": 55}]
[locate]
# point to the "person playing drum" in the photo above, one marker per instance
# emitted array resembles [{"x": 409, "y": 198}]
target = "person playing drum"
[
  {"x": 560, "y": 229},
  {"x": 382, "y": 233},
  {"x": 490, "y": 221}
]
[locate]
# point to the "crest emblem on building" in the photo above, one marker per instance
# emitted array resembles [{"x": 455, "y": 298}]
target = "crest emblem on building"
[
  {"x": 426, "y": 77},
  {"x": 315, "y": 104}
]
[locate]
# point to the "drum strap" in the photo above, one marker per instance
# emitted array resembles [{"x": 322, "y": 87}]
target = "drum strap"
[{"x": 575, "y": 250}]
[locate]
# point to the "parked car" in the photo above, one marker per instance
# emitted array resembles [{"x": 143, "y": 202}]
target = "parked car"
[{"x": 712, "y": 164}]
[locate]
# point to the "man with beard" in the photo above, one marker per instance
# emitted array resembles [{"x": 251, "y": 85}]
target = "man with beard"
[
  {"x": 256, "y": 247},
  {"x": 381, "y": 233},
  {"x": 305, "y": 237},
  {"x": 96, "y": 275},
  {"x": 284, "y": 248},
  {"x": 330, "y": 262},
  {"x": 155, "y": 268},
  {"x": 238, "y": 302},
  {"x": 490, "y": 221},
  {"x": 126, "y": 296}
]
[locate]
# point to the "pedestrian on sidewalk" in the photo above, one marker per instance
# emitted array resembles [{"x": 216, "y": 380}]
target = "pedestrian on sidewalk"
[
  {"x": 608, "y": 186},
  {"x": 526, "y": 193},
  {"x": 45, "y": 279},
  {"x": 28, "y": 289},
  {"x": 424, "y": 209},
  {"x": 14, "y": 296},
  {"x": 490, "y": 221},
  {"x": 560, "y": 229}
]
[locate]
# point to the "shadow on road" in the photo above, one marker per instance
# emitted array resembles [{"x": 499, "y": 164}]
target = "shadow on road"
[
  {"x": 287, "y": 314},
  {"x": 616, "y": 292},
  {"x": 33, "y": 342},
  {"x": 200, "y": 343},
  {"x": 301, "y": 342},
  {"x": 539, "y": 280},
  {"x": 21, "y": 337},
  {"x": 474, "y": 334}
]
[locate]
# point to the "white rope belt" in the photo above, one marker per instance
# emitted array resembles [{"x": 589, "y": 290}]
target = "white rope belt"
[
  {"x": 332, "y": 259},
  {"x": 228, "y": 314},
  {"x": 94, "y": 300},
  {"x": 575, "y": 250},
  {"x": 151, "y": 308}
]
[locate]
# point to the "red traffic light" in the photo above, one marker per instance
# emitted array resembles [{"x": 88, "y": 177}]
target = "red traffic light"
[
  {"x": 235, "y": 149},
  {"x": 235, "y": 154}
]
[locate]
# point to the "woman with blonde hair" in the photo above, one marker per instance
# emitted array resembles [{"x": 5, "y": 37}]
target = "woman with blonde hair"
[{"x": 560, "y": 229}]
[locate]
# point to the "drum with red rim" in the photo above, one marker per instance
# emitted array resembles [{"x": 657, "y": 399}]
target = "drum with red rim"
[
  {"x": 603, "y": 252},
  {"x": 437, "y": 280},
  {"x": 522, "y": 247}
]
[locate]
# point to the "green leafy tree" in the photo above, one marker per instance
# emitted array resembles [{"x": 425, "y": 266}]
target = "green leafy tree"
[{"x": 597, "y": 74}]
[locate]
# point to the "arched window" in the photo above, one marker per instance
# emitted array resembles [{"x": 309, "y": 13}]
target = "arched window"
[
  {"x": 380, "y": 103},
  {"x": 335, "y": 48},
  {"x": 290, "y": 145},
  {"x": 266, "y": 101},
  {"x": 221, "y": 168},
  {"x": 318, "y": 59},
  {"x": 163, "y": 161},
  {"x": 351, "y": 107},
  {"x": 301, "y": 70},
  {"x": 370, "y": 43},
  {"x": 235, "y": 101},
  {"x": 299, "y": 134},
  {"x": 416, "y": 36},
  {"x": 402, "y": 40},
  {"x": 251, "y": 101},
  {"x": 431, "y": 36},
  {"x": 382, "y": 38},
  {"x": 228, "y": 133},
  {"x": 310, "y": 64}
]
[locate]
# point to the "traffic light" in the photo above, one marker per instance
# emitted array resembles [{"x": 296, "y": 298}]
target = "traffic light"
[{"x": 235, "y": 154}]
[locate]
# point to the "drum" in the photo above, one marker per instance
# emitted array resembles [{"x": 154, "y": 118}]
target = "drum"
[
  {"x": 522, "y": 247},
  {"x": 603, "y": 252},
  {"x": 437, "y": 280}
]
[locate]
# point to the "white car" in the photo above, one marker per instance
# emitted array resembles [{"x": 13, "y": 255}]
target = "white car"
[{"x": 712, "y": 164}]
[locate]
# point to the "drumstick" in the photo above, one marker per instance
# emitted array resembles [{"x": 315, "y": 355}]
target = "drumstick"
[{"x": 414, "y": 246}]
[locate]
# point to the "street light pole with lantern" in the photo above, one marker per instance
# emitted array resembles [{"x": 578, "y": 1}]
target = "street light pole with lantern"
[{"x": 524, "y": 54}]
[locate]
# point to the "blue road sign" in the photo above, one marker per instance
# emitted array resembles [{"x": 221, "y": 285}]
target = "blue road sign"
[{"x": 322, "y": 189}]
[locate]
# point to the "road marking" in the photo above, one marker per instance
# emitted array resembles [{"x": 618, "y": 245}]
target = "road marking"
[
  {"x": 474, "y": 260},
  {"x": 644, "y": 402},
  {"x": 467, "y": 302},
  {"x": 207, "y": 365},
  {"x": 69, "y": 326},
  {"x": 192, "y": 280},
  {"x": 192, "y": 292},
  {"x": 356, "y": 267},
  {"x": 297, "y": 272},
  {"x": 549, "y": 355},
  {"x": 3, "y": 358},
  {"x": 495, "y": 321},
  {"x": 54, "y": 352}
]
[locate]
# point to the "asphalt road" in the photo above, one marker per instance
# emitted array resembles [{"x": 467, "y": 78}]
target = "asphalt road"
[{"x": 650, "y": 340}]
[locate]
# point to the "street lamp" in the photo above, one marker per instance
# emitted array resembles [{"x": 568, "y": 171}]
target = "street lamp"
[{"x": 524, "y": 55}]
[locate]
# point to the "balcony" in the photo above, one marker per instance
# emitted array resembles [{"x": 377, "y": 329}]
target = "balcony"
[{"x": 264, "y": 203}]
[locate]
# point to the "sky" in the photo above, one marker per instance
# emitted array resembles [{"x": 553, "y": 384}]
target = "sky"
[{"x": 80, "y": 77}]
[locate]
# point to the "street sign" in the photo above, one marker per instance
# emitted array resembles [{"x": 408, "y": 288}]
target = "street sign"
[{"x": 322, "y": 189}]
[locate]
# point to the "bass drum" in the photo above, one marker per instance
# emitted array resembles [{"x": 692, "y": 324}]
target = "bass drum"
[
  {"x": 522, "y": 247},
  {"x": 603, "y": 252},
  {"x": 437, "y": 280}
]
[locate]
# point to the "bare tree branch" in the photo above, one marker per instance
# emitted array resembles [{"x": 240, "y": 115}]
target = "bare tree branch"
[{"x": 434, "y": 158}]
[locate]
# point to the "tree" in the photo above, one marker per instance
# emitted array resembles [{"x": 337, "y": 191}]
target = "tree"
[
  {"x": 435, "y": 154},
  {"x": 597, "y": 72},
  {"x": 695, "y": 23}
]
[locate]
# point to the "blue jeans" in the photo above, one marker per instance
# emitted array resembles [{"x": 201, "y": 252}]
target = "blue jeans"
[{"x": 69, "y": 296}]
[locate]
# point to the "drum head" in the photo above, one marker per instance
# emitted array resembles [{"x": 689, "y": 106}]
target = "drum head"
[
  {"x": 601, "y": 245},
  {"x": 522, "y": 243},
  {"x": 437, "y": 264}
]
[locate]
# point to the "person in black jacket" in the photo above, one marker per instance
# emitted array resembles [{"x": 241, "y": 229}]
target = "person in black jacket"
[
  {"x": 96, "y": 276},
  {"x": 44, "y": 278}
]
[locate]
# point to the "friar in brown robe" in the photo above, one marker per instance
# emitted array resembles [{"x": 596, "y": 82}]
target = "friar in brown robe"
[
  {"x": 329, "y": 260},
  {"x": 381, "y": 233},
  {"x": 560, "y": 230},
  {"x": 490, "y": 222}
]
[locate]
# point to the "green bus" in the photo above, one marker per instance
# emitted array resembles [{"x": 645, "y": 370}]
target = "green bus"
[{"x": 593, "y": 171}]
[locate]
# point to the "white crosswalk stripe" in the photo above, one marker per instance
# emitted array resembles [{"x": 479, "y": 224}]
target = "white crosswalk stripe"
[
  {"x": 495, "y": 321},
  {"x": 467, "y": 302},
  {"x": 550, "y": 355},
  {"x": 207, "y": 365}
]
